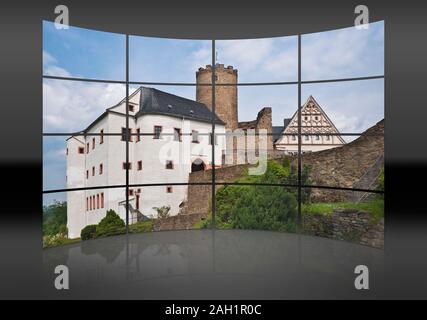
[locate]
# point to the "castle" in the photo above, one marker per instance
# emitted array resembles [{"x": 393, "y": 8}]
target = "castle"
[{"x": 180, "y": 143}]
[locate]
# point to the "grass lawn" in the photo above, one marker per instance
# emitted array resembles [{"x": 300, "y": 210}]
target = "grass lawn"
[{"x": 374, "y": 207}]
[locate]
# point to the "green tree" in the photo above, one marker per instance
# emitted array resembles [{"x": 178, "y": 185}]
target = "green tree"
[
  {"x": 111, "y": 224},
  {"x": 55, "y": 218}
]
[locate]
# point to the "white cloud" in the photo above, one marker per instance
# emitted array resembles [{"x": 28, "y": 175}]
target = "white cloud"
[{"x": 70, "y": 106}]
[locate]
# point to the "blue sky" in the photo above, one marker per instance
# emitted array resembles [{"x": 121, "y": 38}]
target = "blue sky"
[{"x": 70, "y": 106}]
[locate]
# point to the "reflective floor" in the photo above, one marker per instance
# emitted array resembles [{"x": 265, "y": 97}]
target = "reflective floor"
[{"x": 214, "y": 264}]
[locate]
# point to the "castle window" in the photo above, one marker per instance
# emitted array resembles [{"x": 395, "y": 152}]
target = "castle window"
[
  {"x": 195, "y": 136},
  {"x": 81, "y": 150},
  {"x": 66, "y": 152},
  {"x": 126, "y": 134},
  {"x": 131, "y": 108},
  {"x": 101, "y": 137},
  {"x": 87, "y": 204},
  {"x": 93, "y": 143},
  {"x": 169, "y": 189},
  {"x": 157, "y": 132},
  {"x": 328, "y": 137},
  {"x": 139, "y": 167},
  {"x": 169, "y": 164},
  {"x": 87, "y": 174},
  {"x": 101, "y": 168},
  {"x": 127, "y": 166},
  {"x": 138, "y": 136},
  {"x": 306, "y": 137},
  {"x": 177, "y": 134},
  {"x": 131, "y": 192},
  {"x": 93, "y": 171},
  {"x": 305, "y": 118},
  {"x": 294, "y": 138},
  {"x": 317, "y": 137},
  {"x": 87, "y": 147},
  {"x": 97, "y": 201},
  {"x": 316, "y": 118},
  {"x": 102, "y": 199}
]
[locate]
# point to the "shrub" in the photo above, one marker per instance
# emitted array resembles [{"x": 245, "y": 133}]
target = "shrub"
[
  {"x": 110, "y": 225},
  {"x": 88, "y": 232},
  {"x": 162, "y": 212},
  {"x": 142, "y": 226}
]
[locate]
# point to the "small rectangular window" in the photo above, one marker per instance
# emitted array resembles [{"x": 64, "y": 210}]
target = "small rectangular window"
[
  {"x": 97, "y": 201},
  {"x": 306, "y": 137},
  {"x": 93, "y": 171},
  {"x": 195, "y": 136},
  {"x": 317, "y": 137},
  {"x": 169, "y": 189},
  {"x": 177, "y": 134},
  {"x": 81, "y": 150},
  {"x": 127, "y": 166},
  {"x": 126, "y": 134},
  {"x": 157, "y": 132},
  {"x": 294, "y": 138},
  {"x": 327, "y": 138},
  {"x": 131, "y": 192},
  {"x": 101, "y": 137},
  {"x": 87, "y": 174},
  {"x": 138, "y": 134},
  {"x": 139, "y": 165},
  {"x": 102, "y": 199},
  {"x": 93, "y": 143},
  {"x": 169, "y": 164},
  {"x": 131, "y": 108},
  {"x": 87, "y": 147},
  {"x": 101, "y": 168}
]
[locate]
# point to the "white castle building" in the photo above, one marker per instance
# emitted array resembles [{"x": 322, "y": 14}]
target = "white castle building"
[{"x": 180, "y": 143}]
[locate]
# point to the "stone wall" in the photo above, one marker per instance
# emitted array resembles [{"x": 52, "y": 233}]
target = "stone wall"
[
  {"x": 348, "y": 225},
  {"x": 199, "y": 196},
  {"x": 179, "y": 222},
  {"x": 344, "y": 166}
]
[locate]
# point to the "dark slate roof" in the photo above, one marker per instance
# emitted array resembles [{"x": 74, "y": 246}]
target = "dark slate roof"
[
  {"x": 277, "y": 131},
  {"x": 154, "y": 101}
]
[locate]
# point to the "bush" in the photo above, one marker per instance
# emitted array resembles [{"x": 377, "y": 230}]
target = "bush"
[
  {"x": 258, "y": 207},
  {"x": 110, "y": 225},
  {"x": 88, "y": 232},
  {"x": 142, "y": 226}
]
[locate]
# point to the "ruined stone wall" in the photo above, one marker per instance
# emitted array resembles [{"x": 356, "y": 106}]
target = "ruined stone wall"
[
  {"x": 348, "y": 225},
  {"x": 199, "y": 196},
  {"x": 344, "y": 166},
  {"x": 179, "y": 222}
]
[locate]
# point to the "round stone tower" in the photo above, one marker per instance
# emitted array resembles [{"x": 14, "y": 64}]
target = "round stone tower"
[{"x": 225, "y": 96}]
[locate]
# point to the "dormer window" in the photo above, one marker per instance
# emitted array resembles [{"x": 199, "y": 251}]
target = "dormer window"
[{"x": 131, "y": 108}]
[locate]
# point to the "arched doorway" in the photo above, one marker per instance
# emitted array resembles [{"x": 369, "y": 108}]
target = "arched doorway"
[{"x": 197, "y": 165}]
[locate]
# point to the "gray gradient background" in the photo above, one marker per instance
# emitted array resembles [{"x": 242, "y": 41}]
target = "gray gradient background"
[{"x": 20, "y": 93}]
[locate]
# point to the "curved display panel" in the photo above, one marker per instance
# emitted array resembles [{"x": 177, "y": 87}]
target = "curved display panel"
[{"x": 226, "y": 134}]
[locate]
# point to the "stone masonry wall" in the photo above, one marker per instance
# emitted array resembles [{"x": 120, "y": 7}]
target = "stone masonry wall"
[
  {"x": 349, "y": 225},
  {"x": 179, "y": 222},
  {"x": 344, "y": 166}
]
